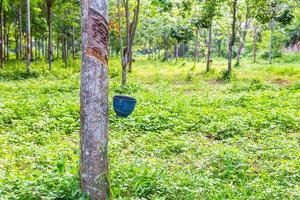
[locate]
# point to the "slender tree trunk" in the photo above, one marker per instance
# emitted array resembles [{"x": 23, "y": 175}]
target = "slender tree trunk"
[
  {"x": 21, "y": 34},
  {"x": 73, "y": 43},
  {"x": 4, "y": 39},
  {"x": 123, "y": 60},
  {"x": 271, "y": 42},
  {"x": 242, "y": 41},
  {"x": 17, "y": 45},
  {"x": 254, "y": 43},
  {"x": 35, "y": 49},
  {"x": 28, "y": 37},
  {"x": 196, "y": 52},
  {"x": 57, "y": 48},
  {"x": 94, "y": 172},
  {"x": 38, "y": 48},
  {"x": 232, "y": 39},
  {"x": 1, "y": 34},
  {"x": 208, "y": 58},
  {"x": 49, "y": 24}
]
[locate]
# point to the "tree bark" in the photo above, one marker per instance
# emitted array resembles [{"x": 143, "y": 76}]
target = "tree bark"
[
  {"x": 196, "y": 52},
  {"x": 17, "y": 45},
  {"x": 242, "y": 41},
  {"x": 254, "y": 43},
  {"x": 57, "y": 48},
  {"x": 208, "y": 58},
  {"x": 232, "y": 39},
  {"x": 94, "y": 171},
  {"x": 28, "y": 37},
  {"x": 124, "y": 70},
  {"x": 49, "y": 24},
  {"x": 1, "y": 34},
  {"x": 21, "y": 34},
  {"x": 271, "y": 42},
  {"x": 73, "y": 43}
]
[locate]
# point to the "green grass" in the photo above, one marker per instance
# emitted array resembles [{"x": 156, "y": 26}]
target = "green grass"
[{"x": 192, "y": 135}]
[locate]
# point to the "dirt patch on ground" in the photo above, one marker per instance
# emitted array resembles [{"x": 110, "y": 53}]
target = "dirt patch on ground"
[{"x": 281, "y": 82}]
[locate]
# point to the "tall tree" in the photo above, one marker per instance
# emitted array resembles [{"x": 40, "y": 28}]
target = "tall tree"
[
  {"x": 49, "y": 4},
  {"x": 131, "y": 26},
  {"x": 28, "y": 37},
  {"x": 94, "y": 172},
  {"x": 232, "y": 37},
  {"x": 1, "y": 34},
  {"x": 243, "y": 33}
]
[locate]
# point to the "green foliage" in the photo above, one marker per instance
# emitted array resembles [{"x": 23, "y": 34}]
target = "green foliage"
[{"x": 195, "y": 139}]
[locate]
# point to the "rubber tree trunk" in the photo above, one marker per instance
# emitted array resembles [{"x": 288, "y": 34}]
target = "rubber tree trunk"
[
  {"x": 232, "y": 39},
  {"x": 57, "y": 48},
  {"x": 254, "y": 44},
  {"x": 94, "y": 171},
  {"x": 17, "y": 45},
  {"x": 21, "y": 34},
  {"x": 208, "y": 58},
  {"x": 73, "y": 43},
  {"x": 28, "y": 37},
  {"x": 196, "y": 52},
  {"x": 49, "y": 24},
  {"x": 124, "y": 71},
  {"x": 242, "y": 42},
  {"x": 1, "y": 34},
  {"x": 271, "y": 42}
]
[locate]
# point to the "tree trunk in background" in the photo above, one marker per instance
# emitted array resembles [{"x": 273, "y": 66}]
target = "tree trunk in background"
[
  {"x": 254, "y": 43},
  {"x": 65, "y": 49},
  {"x": 21, "y": 34},
  {"x": 17, "y": 49},
  {"x": 57, "y": 48},
  {"x": 36, "y": 49},
  {"x": 271, "y": 42},
  {"x": 196, "y": 52},
  {"x": 49, "y": 24},
  {"x": 232, "y": 39},
  {"x": 94, "y": 172},
  {"x": 124, "y": 61},
  {"x": 1, "y": 34},
  {"x": 73, "y": 43},
  {"x": 242, "y": 41},
  {"x": 28, "y": 37},
  {"x": 43, "y": 48},
  {"x": 131, "y": 30},
  {"x": 208, "y": 58}
]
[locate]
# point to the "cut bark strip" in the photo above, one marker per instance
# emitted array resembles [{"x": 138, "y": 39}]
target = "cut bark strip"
[{"x": 97, "y": 27}]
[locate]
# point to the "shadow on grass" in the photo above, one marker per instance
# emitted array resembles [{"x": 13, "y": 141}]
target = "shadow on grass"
[{"x": 17, "y": 75}]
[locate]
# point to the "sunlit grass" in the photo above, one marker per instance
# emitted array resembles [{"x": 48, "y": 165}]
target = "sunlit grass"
[{"x": 192, "y": 135}]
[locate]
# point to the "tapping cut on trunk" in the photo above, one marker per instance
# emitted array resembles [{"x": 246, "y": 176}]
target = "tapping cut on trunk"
[{"x": 98, "y": 39}]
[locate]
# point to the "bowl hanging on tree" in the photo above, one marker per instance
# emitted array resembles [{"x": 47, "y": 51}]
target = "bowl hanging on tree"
[{"x": 124, "y": 105}]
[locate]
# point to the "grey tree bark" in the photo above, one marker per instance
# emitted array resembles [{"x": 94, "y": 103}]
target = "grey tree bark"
[
  {"x": 1, "y": 34},
  {"x": 254, "y": 43},
  {"x": 131, "y": 29},
  {"x": 21, "y": 34},
  {"x": 49, "y": 24},
  {"x": 124, "y": 72},
  {"x": 271, "y": 42},
  {"x": 242, "y": 41},
  {"x": 208, "y": 58},
  {"x": 28, "y": 37},
  {"x": 94, "y": 171},
  {"x": 73, "y": 43},
  {"x": 232, "y": 39},
  {"x": 196, "y": 52}
]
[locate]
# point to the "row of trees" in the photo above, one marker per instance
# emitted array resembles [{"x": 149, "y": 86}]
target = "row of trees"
[
  {"x": 175, "y": 25},
  {"x": 50, "y": 29},
  {"x": 30, "y": 28}
]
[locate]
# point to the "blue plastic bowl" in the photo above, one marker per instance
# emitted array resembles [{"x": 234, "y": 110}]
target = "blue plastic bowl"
[{"x": 123, "y": 105}]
